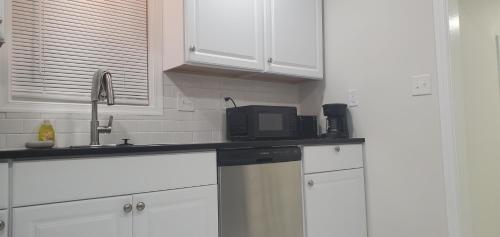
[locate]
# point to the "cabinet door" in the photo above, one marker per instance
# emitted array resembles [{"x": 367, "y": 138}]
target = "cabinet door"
[
  {"x": 335, "y": 204},
  {"x": 294, "y": 37},
  {"x": 225, "y": 33},
  {"x": 4, "y": 217},
  {"x": 190, "y": 212},
  {"x": 4, "y": 185},
  {"x": 105, "y": 217}
]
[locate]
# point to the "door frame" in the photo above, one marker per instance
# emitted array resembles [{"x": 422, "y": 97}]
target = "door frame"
[{"x": 446, "y": 25}]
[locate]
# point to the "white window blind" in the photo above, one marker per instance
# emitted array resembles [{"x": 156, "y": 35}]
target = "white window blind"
[{"x": 57, "y": 45}]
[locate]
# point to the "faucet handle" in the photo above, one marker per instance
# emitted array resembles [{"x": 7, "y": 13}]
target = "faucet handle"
[{"x": 110, "y": 122}]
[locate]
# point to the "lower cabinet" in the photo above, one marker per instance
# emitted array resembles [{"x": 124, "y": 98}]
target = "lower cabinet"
[
  {"x": 335, "y": 204},
  {"x": 4, "y": 186},
  {"x": 190, "y": 212},
  {"x": 105, "y": 217},
  {"x": 4, "y": 223}
]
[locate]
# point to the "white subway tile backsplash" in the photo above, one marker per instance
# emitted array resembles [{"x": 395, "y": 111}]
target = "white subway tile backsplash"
[
  {"x": 2, "y": 141},
  {"x": 125, "y": 126},
  {"x": 175, "y": 126},
  {"x": 202, "y": 137},
  {"x": 18, "y": 140},
  {"x": 218, "y": 136},
  {"x": 197, "y": 126},
  {"x": 198, "y": 81},
  {"x": 73, "y": 126},
  {"x": 23, "y": 115},
  {"x": 205, "y": 98},
  {"x": 11, "y": 126},
  {"x": 31, "y": 125},
  {"x": 205, "y": 124},
  {"x": 85, "y": 115},
  {"x": 170, "y": 91},
  {"x": 170, "y": 103},
  {"x": 160, "y": 138},
  {"x": 173, "y": 114},
  {"x": 149, "y": 125},
  {"x": 142, "y": 138},
  {"x": 180, "y": 138},
  {"x": 72, "y": 139}
]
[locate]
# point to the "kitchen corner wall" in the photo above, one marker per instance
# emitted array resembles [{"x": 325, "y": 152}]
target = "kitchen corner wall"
[
  {"x": 376, "y": 47},
  {"x": 204, "y": 125}
]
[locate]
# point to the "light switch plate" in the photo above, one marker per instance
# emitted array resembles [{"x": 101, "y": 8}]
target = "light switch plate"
[
  {"x": 184, "y": 103},
  {"x": 353, "y": 98},
  {"x": 421, "y": 85}
]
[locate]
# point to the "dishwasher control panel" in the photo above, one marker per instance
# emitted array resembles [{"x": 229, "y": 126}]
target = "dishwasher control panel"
[{"x": 258, "y": 156}]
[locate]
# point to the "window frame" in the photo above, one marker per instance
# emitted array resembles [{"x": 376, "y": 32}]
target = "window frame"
[{"x": 155, "y": 74}]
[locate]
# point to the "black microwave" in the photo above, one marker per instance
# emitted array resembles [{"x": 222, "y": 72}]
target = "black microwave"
[{"x": 256, "y": 122}]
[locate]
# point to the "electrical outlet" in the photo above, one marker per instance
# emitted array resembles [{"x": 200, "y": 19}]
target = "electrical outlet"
[
  {"x": 353, "y": 98},
  {"x": 421, "y": 85},
  {"x": 184, "y": 103}
]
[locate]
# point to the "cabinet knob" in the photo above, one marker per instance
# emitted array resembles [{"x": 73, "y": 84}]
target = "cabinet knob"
[
  {"x": 127, "y": 208},
  {"x": 270, "y": 60},
  {"x": 140, "y": 206},
  {"x": 337, "y": 148},
  {"x": 2, "y": 225},
  {"x": 310, "y": 183},
  {"x": 192, "y": 48}
]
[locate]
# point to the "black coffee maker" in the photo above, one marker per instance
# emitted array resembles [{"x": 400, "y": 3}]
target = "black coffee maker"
[{"x": 337, "y": 120}]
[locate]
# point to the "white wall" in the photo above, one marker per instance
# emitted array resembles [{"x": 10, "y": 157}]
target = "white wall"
[
  {"x": 376, "y": 47},
  {"x": 205, "y": 124},
  {"x": 479, "y": 107}
]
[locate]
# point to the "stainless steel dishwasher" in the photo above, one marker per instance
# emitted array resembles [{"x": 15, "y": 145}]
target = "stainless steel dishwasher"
[{"x": 260, "y": 192}]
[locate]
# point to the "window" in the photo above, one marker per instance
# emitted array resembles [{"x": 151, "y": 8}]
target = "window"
[{"x": 55, "y": 46}]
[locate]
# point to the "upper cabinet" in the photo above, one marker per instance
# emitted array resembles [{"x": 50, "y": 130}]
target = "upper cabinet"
[
  {"x": 281, "y": 37},
  {"x": 294, "y": 37},
  {"x": 225, "y": 33}
]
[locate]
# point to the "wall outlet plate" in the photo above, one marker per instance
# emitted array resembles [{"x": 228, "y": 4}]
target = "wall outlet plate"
[
  {"x": 421, "y": 85},
  {"x": 184, "y": 103},
  {"x": 353, "y": 100}
]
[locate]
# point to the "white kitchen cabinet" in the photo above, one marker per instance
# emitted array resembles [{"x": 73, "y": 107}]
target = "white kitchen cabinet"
[
  {"x": 102, "y": 196},
  {"x": 104, "y": 217},
  {"x": 191, "y": 212},
  {"x": 247, "y": 38},
  {"x": 294, "y": 37},
  {"x": 182, "y": 213},
  {"x": 201, "y": 35},
  {"x": 333, "y": 157},
  {"x": 4, "y": 223},
  {"x": 4, "y": 185},
  {"x": 225, "y": 33},
  {"x": 49, "y": 181},
  {"x": 335, "y": 204}
]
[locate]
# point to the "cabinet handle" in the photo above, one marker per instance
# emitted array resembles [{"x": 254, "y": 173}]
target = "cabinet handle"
[
  {"x": 310, "y": 183},
  {"x": 192, "y": 48},
  {"x": 127, "y": 208},
  {"x": 270, "y": 60},
  {"x": 140, "y": 206},
  {"x": 337, "y": 148},
  {"x": 2, "y": 225}
]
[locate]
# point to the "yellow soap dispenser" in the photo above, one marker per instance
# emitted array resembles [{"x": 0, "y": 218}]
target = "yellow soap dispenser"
[{"x": 46, "y": 132}]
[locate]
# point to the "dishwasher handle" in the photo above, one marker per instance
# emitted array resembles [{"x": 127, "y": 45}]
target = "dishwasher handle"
[{"x": 255, "y": 156}]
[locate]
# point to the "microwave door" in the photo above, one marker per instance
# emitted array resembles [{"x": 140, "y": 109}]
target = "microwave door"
[{"x": 271, "y": 125}]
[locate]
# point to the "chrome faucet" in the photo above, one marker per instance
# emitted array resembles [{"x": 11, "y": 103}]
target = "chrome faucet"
[{"x": 102, "y": 88}]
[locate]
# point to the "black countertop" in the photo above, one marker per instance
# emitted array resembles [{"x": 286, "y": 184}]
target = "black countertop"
[{"x": 63, "y": 153}]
